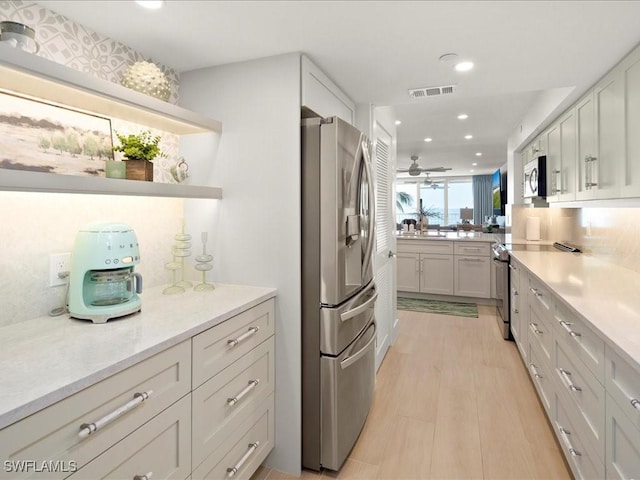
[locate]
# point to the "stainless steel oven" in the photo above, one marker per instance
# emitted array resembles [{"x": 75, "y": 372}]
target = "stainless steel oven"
[{"x": 501, "y": 263}]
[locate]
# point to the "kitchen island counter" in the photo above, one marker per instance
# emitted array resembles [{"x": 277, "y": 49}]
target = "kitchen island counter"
[
  {"x": 603, "y": 294},
  {"x": 47, "y": 359},
  {"x": 456, "y": 236}
]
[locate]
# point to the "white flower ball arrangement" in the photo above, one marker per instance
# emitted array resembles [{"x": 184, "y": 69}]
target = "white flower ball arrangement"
[{"x": 147, "y": 78}]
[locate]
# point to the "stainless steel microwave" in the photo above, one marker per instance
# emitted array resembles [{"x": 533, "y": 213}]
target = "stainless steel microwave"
[{"x": 535, "y": 178}]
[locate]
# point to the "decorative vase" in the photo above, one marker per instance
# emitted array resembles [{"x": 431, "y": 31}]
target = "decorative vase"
[
  {"x": 147, "y": 78},
  {"x": 115, "y": 169},
  {"x": 139, "y": 170}
]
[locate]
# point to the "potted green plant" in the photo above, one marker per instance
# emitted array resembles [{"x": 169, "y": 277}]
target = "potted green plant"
[{"x": 139, "y": 151}]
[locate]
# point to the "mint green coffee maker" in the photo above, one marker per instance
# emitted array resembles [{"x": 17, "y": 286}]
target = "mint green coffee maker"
[{"x": 102, "y": 281}]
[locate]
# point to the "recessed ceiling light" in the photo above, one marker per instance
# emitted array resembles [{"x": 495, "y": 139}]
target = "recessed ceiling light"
[
  {"x": 478, "y": 154},
  {"x": 463, "y": 66},
  {"x": 428, "y": 139},
  {"x": 468, "y": 137},
  {"x": 471, "y": 171},
  {"x": 398, "y": 122},
  {"x": 150, "y": 4},
  {"x": 474, "y": 164},
  {"x": 463, "y": 116}
]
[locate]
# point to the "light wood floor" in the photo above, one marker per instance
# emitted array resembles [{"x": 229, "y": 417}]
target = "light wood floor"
[{"x": 453, "y": 400}]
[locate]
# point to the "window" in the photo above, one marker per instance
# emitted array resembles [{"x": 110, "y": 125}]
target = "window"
[{"x": 444, "y": 198}]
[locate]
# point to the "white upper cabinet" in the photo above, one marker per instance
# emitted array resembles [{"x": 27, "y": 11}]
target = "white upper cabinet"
[
  {"x": 322, "y": 96},
  {"x": 630, "y": 170},
  {"x": 586, "y": 130},
  {"x": 561, "y": 158}
]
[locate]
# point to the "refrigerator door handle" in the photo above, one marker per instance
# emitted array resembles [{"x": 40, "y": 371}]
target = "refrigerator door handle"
[
  {"x": 359, "y": 309},
  {"x": 351, "y": 359},
  {"x": 372, "y": 213}
]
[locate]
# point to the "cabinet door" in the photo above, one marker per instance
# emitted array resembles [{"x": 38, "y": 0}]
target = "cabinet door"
[
  {"x": 515, "y": 305},
  {"x": 554, "y": 163},
  {"x": 321, "y": 95},
  {"x": 566, "y": 179},
  {"x": 408, "y": 272},
  {"x": 586, "y": 124},
  {"x": 622, "y": 444},
  {"x": 630, "y": 171},
  {"x": 609, "y": 103},
  {"x": 436, "y": 274},
  {"x": 472, "y": 276}
]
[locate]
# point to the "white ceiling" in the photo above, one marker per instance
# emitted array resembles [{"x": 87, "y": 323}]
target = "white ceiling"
[{"x": 377, "y": 50}]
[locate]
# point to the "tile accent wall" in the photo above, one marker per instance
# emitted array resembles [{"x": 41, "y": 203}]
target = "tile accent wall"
[
  {"x": 68, "y": 43},
  {"x": 611, "y": 234}
]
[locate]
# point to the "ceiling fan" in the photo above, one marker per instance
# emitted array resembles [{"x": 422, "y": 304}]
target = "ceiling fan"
[
  {"x": 415, "y": 169},
  {"x": 432, "y": 183}
]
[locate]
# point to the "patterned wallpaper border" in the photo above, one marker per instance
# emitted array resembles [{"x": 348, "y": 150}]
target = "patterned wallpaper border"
[{"x": 63, "y": 41}]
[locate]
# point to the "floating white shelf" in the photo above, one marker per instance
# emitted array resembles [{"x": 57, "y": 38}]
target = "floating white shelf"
[
  {"x": 25, "y": 181},
  {"x": 34, "y": 76}
]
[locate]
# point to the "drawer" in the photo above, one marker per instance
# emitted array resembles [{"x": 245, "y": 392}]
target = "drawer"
[
  {"x": 622, "y": 382},
  {"x": 245, "y": 449},
  {"x": 623, "y": 444},
  {"x": 53, "y": 433},
  {"x": 441, "y": 247},
  {"x": 218, "y": 347},
  {"x": 585, "y": 393},
  {"x": 539, "y": 331},
  {"x": 249, "y": 381},
  {"x": 584, "y": 463},
  {"x": 161, "y": 447},
  {"x": 582, "y": 341},
  {"x": 539, "y": 297},
  {"x": 539, "y": 371},
  {"x": 481, "y": 249}
]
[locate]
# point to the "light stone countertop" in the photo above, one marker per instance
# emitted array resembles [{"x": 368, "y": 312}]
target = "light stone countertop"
[
  {"x": 456, "y": 236},
  {"x": 47, "y": 359},
  {"x": 604, "y": 294}
]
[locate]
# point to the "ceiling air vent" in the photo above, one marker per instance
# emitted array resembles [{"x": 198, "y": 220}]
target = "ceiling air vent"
[{"x": 431, "y": 91}]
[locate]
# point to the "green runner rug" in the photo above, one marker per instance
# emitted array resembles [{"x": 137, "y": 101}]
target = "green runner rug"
[{"x": 437, "y": 306}]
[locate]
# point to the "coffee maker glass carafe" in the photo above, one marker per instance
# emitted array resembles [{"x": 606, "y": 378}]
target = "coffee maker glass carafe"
[{"x": 111, "y": 287}]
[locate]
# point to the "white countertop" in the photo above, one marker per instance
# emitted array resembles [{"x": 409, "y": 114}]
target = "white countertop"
[
  {"x": 50, "y": 358},
  {"x": 458, "y": 236},
  {"x": 605, "y": 295}
]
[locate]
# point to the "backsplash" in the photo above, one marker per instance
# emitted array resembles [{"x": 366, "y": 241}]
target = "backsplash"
[
  {"x": 35, "y": 225},
  {"x": 68, "y": 43},
  {"x": 610, "y": 234}
]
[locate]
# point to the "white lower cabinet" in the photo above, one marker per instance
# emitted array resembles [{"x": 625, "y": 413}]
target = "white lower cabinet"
[
  {"x": 425, "y": 266},
  {"x": 151, "y": 421},
  {"x": 246, "y": 447},
  {"x": 585, "y": 464},
  {"x": 161, "y": 448},
  {"x": 472, "y": 276},
  {"x": 589, "y": 391},
  {"x": 623, "y": 443}
]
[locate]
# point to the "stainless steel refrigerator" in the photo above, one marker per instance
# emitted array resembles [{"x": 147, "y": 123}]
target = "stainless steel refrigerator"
[{"x": 338, "y": 292}]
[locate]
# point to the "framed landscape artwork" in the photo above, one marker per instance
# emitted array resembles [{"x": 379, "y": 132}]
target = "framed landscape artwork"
[{"x": 41, "y": 137}]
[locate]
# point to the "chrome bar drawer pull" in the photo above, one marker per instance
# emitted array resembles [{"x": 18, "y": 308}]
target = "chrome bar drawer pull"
[
  {"x": 143, "y": 477},
  {"x": 232, "y": 342},
  {"x": 534, "y": 369},
  {"x": 535, "y": 292},
  {"x": 565, "y": 437},
  {"x": 512, "y": 267},
  {"x": 566, "y": 326},
  {"x": 534, "y": 327},
  {"x": 87, "y": 429},
  {"x": 231, "y": 471},
  {"x": 252, "y": 384},
  {"x": 636, "y": 403},
  {"x": 567, "y": 376}
]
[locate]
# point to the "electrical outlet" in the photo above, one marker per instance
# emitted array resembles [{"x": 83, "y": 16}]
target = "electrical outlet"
[{"x": 59, "y": 265}]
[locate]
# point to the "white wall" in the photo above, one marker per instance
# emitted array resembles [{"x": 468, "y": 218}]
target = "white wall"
[{"x": 256, "y": 227}]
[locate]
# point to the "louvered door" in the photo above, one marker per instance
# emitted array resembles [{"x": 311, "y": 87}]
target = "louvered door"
[{"x": 385, "y": 271}]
